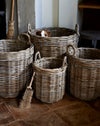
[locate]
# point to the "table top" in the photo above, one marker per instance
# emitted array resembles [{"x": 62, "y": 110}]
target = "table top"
[
  {"x": 93, "y": 4},
  {"x": 90, "y": 34}
]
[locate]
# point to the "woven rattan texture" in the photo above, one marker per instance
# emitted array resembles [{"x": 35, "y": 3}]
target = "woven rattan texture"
[
  {"x": 16, "y": 59},
  {"x": 84, "y": 74},
  {"x": 49, "y": 79},
  {"x": 55, "y": 45}
]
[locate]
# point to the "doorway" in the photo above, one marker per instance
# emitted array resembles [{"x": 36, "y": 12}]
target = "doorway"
[{"x": 2, "y": 20}]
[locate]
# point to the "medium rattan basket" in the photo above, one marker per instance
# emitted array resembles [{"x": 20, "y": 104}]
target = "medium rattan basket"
[
  {"x": 55, "y": 45},
  {"x": 16, "y": 59},
  {"x": 84, "y": 72},
  {"x": 49, "y": 78}
]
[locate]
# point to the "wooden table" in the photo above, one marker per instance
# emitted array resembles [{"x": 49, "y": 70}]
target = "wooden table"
[
  {"x": 94, "y": 4},
  {"x": 94, "y": 36}
]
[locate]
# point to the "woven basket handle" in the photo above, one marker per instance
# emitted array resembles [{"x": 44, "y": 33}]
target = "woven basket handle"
[
  {"x": 37, "y": 56},
  {"x": 29, "y": 28},
  {"x": 71, "y": 50},
  {"x": 24, "y": 37},
  {"x": 77, "y": 29},
  {"x": 30, "y": 85},
  {"x": 64, "y": 61}
]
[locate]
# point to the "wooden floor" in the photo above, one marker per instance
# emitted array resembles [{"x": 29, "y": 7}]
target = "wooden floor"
[{"x": 67, "y": 112}]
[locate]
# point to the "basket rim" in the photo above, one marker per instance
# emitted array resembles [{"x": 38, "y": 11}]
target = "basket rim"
[
  {"x": 82, "y": 60},
  {"x": 15, "y": 52},
  {"x": 69, "y": 36},
  {"x": 60, "y": 69},
  {"x": 16, "y": 55}
]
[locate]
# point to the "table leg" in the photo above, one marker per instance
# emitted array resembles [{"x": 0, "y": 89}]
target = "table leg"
[{"x": 94, "y": 43}]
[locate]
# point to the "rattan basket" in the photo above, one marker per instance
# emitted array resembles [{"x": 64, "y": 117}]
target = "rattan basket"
[
  {"x": 49, "y": 78},
  {"x": 84, "y": 72},
  {"x": 55, "y": 45},
  {"x": 16, "y": 59}
]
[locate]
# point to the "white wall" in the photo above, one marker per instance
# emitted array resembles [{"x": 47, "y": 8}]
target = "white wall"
[
  {"x": 38, "y": 11},
  {"x": 68, "y": 13},
  {"x": 47, "y": 13},
  {"x": 63, "y": 13},
  {"x": 50, "y": 13},
  {"x": 55, "y": 8}
]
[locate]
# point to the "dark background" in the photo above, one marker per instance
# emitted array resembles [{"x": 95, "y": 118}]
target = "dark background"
[{"x": 2, "y": 20}]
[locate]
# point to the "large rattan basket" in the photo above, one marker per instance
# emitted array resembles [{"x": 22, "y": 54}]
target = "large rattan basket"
[
  {"x": 49, "y": 78},
  {"x": 55, "y": 45},
  {"x": 84, "y": 72},
  {"x": 16, "y": 59}
]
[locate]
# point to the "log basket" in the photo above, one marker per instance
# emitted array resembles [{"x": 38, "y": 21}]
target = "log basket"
[
  {"x": 55, "y": 45},
  {"x": 84, "y": 72},
  {"x": 49, "y": 78},
  {"x": 16, "y": 59}
]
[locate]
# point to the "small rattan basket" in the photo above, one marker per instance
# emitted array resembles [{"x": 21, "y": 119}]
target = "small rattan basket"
[
  {"x": 84, "y": 72},
  {"x": 49, "y": 78},
  {"x": 55, "y": 45},
  {"x": 16, "y": 59}
]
